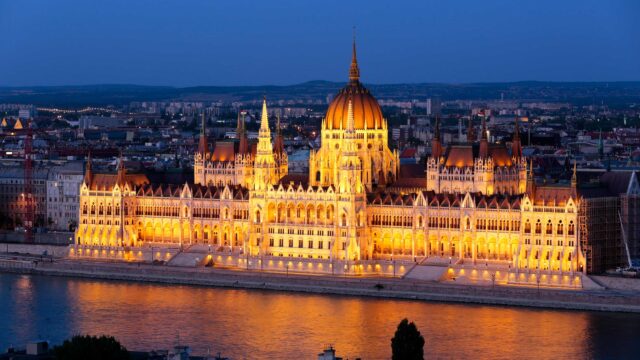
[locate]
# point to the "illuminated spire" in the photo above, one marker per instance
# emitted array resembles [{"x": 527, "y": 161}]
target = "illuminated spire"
[
  {"x": 354, "y": 72},
  {"x": 350, "y": 120},
  {"x": 574, "y": 177},
  {"x": 264, "y": 120}
]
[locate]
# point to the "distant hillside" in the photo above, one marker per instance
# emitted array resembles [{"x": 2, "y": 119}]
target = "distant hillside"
[{"x": 612, "y": 93}]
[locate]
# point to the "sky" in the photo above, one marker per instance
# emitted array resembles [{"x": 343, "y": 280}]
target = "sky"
[{"x": 235, "y": 42}]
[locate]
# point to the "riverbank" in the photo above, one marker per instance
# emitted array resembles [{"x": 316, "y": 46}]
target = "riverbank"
[{"x": 394, "y": 288}]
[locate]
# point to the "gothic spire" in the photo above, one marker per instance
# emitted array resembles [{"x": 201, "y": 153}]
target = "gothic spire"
[
  {"x": 203, "y": 147},
  {"x": 354, "y": 71},
  {"x": 484, "y": 144},
  {"x": 436, "y": 145},
  {"x": 516, "y": 146},
  {"x": 350, "y": 119},
  {"x": 470, "y": 132},
  {"x": 241, "y": 135},
  {"x": 88, "y": 174},
  {"x": 120, "y": 180},
  {"x": 264, "y": 120}
]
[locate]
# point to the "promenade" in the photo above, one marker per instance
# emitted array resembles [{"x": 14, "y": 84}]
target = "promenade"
[{"x": 382, "y": 287}]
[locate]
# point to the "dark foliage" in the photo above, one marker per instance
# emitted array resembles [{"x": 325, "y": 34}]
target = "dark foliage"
[
  {"x": 407, "y": 343},
  {"x": 81, "y": 347}
]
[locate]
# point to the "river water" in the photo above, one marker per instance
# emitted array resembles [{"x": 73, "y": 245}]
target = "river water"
[{"x": 250, "y": 324}]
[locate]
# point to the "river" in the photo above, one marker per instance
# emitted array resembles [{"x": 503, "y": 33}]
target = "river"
[{"x": 250, "y": 324}]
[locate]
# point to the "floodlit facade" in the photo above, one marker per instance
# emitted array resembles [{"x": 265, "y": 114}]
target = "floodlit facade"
[{"x": 478, "y": 205}]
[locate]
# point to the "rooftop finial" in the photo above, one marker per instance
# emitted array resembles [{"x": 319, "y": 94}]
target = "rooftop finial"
[{"x": 354, "y": 72}]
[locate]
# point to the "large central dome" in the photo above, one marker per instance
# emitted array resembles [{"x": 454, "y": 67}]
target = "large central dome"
[{"x": 365, "y": 107}]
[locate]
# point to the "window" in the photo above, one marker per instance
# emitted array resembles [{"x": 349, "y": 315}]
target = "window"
[
  {"x": 538, "y": 227},
  {"x": 281, "y": 242},
  {"x": 310, "y": 243},
  {"x": 290, "y": 243},
  {"x": 560, "y": 228},
  {"x": 320, "y": 244},
  {"x": 549, "y": 228},
  {"x": 300, "y": 242},
  {"x": 571, "y": 228}
]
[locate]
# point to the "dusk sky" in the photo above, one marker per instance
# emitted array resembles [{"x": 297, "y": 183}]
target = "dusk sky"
[{"x": 185, "y": 43}]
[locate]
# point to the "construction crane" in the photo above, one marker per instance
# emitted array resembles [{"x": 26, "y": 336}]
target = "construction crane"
[{"x": 29, "y": 211}]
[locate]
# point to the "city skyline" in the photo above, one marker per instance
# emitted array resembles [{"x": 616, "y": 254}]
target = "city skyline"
[{"x": 281, "y": 44}]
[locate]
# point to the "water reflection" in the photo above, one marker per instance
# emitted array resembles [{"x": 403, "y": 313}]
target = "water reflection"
[{"x": 255, "y": 324}]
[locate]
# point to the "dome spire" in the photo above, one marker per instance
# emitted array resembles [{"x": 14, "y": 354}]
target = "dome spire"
[{"x": 354, "y": 72}]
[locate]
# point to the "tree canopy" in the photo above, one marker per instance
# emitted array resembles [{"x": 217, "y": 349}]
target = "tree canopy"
[
  {"x": 81, "y": 347},
  {"x": 407, "y": 343}
]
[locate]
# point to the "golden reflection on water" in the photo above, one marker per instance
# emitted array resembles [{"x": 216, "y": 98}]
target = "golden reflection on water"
[{"x": 256, "y": 324}]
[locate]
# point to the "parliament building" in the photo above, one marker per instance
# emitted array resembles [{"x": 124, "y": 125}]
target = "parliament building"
[{"x": 476, "y": 203}]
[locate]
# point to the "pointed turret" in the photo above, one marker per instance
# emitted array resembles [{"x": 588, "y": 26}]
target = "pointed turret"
[
  {"x": 471, "y": 137},
  {"x": 121, "y": 179},
  {"x": 484, "y": 143},
  {"x": 574, "y": 176},
  {"x": 516, "y": 146},
  {"x": 264, "y": 117},
  {"x": 531, "y": 183},
  {"x": 436, "y": 144},
  {"x": 203, "y": 147},
  {"x": 354, "y": 71},
  {"x": 241, "y": 134},
  {"x": 88, "y": 173},
  {"x": 278, "y": 144},
  {"x": 265, "y": 167}
]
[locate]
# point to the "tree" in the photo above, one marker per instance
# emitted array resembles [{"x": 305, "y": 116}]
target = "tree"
[
  {"x": 82, "y": 347},
  {"x": 407, "y": 343}
]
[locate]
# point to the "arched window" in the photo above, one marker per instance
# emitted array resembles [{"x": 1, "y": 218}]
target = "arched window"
[
  {"x": 344, "y": 219},
  {"x": 258, "y": 220},
  {"x": 571, "y": 228},
  {"x": 560, "y": 227},
  {"x": 549, "y": 228},
  {"x": 318, "y": 176},
  {"x": 538, "y": 227}
]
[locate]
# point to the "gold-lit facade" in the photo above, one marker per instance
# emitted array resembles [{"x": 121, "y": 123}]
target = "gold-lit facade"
[{"x": 478, "y": 205}]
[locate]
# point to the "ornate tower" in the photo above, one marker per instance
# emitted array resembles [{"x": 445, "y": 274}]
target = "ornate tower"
[
  {"x": 265, "y": 171},
  {"x": 378, "y": 163},
  {"x": 280, "y": 154},
  {"x": 352, "y": 204}
]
